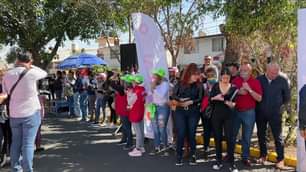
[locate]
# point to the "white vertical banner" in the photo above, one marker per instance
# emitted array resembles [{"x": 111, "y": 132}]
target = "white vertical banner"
[
  {"x": 301, "y": 152},
  {"x": 151, "y": 55}
]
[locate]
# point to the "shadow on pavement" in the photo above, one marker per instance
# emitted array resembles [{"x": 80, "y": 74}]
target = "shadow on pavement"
[{"x": 72, "y": 146}]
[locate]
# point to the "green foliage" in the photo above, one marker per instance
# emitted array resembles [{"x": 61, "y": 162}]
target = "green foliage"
[
  {"x": 260, "y": 25},
  {"x": 11, "y": 56},
  {"x": 33, "y": 24},
  {"x": 247, "y": 16}
]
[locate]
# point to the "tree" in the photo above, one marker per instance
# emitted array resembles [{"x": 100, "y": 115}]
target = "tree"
[
  {"x": 263, "y": 31},
  {"x": 176, "y": 19},
  {"x": 31, "y": 25},
  {"x": 275, "y": 20},
  {"x": 177, "y": 22}
]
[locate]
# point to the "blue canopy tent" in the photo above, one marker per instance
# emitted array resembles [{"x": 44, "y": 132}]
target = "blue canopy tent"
[
  {"x": 68, "y": 63},
  {"x": 82, "y": 60}
]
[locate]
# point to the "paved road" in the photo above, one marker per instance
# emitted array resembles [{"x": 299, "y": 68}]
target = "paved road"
[{"x": 72, "y": 146}]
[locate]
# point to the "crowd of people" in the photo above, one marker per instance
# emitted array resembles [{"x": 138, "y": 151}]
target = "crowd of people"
[{"x": 223, "y": 99}]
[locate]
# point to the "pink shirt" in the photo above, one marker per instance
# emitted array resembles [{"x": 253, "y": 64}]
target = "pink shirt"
[{"x": 24, "y": 100}]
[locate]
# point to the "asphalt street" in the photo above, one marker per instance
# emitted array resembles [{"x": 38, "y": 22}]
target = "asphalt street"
[{"x": 72, "y": 146}]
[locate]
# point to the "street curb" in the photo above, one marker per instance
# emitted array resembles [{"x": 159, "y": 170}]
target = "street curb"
[{"x": 254, "y": 152}]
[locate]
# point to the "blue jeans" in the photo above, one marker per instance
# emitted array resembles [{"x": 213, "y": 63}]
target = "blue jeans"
[
  {"x": 186, "y": 122},
  {"x": 84, "y": 104},
  {"x": 139, "y": 132},
  {"x": 126, "y": 131},
  {"x": 245, "y": 119},
  {"x": 23, "y": 140},
  {"x": 100, "y": 103},
  {"x": 70, "y": 100},
  {"x": 159, "y": 125},
  {"x": 59, "y": 94},
  {"x": 76, "y": 104}
]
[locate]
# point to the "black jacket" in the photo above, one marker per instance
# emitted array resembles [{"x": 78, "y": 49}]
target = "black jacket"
[
  {"x": 302, "y": 108},
  {"x": 275, "y": 95},
  {"x": 192, "y": 92}
]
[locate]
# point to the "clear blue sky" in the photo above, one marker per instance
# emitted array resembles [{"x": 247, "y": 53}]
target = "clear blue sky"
[{"x": 210, "y": 26}]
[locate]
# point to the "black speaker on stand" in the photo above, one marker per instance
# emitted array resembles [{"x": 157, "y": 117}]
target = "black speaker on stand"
[{"x": 128, "y": 57}]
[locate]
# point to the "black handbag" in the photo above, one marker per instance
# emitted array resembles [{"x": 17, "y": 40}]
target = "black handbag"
[{"x": 209, "y": 111}]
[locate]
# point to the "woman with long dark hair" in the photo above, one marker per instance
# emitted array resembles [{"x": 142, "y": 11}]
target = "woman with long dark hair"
[
  {"x": 188, "y": 94},
  {"x": 222, "y": 99}
]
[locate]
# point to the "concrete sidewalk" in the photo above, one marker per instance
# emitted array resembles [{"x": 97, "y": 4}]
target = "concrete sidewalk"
[{"x": 72, "y": 146}]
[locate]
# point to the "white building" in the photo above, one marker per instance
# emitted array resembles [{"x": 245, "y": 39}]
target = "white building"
[{"x": 211, "y": 45}]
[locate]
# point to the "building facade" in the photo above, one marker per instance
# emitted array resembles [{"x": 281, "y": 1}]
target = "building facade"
[{"x": 212, "y": 45}]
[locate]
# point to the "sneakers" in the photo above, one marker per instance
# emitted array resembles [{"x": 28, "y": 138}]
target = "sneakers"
[
  {"x": 179, "y": 162},
  {"x": 135, "y": 153},
  {"x": 3, "y": 160},
  {"x": 217, "y": 166},
  {"x": 280, "y": 165},
  {"x": 142, "y": 150},
  {"x": 193, "y": 160},
  {"x": 233, "y": 168},
  {"x": 262, "y": 160}
]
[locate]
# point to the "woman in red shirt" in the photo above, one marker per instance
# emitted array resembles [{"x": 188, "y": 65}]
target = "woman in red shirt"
[{"x": 121, "y": 110}]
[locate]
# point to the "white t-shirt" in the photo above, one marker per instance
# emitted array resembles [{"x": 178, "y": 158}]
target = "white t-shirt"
[
  {"x": 161, "y": 93},
  {"x": 24, "y": 101}
]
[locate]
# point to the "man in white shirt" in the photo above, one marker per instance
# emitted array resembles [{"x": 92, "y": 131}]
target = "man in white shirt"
[{"x": 24, "y": 110}]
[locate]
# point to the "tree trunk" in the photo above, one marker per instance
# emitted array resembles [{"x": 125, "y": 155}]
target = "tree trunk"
[
  {"x": 174, "y": 62},
  {"x": 37, "y": 61},
  {"x": 113, "y": 51},
  {"x": 231, "y": 50},
  {"x": 42, "y": 59}
]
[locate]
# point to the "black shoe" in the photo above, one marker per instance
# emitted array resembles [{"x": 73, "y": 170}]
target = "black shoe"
[
  {"x": 40, "y": 149},
  {"x": 205, "y": 154},
  {"x": 121, "y": 143},
  {"x": 154, "y": 152},
  {"x": 126, "y": 147},
  {"x": 179, "y": 162},
  {"x": 247, "y": 163},
  {"x": 193, "y": 160}
]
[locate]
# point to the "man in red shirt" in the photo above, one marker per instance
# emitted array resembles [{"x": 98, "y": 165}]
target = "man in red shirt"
[{"x": 250, "y": 92}]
